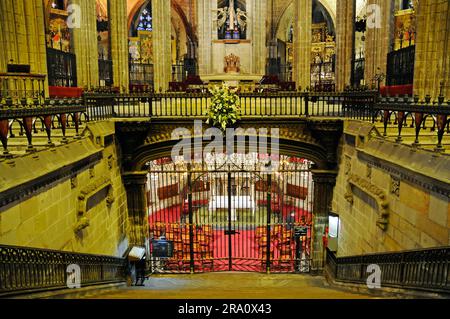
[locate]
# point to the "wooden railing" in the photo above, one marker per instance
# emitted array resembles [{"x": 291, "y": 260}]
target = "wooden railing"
[
  {"x": 26, "y": 270},
  {"x": 426, "y": 269}
]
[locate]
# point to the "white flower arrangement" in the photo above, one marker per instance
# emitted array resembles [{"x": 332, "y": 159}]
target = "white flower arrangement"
[{"x": 225, "y": 107}]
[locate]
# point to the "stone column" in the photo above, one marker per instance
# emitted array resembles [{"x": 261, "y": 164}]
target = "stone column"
[
  {"x": 22, "y": 35},
  {"x": 119, "y": 43},
  {"x": 302, "y": 43},
  {"x": 205, "y": 32},
  {"x": 324, "y": 182},
  {"x": 259, "y": 34},
  {"x": 137, "y": 207},
  {"x": 85, "y": 45},
  {"x": 345, "y": 30},
  {"x": 379, "y": 40},
  {"x": 162, "y": 29},
  {"x": 432, "y": 61}
]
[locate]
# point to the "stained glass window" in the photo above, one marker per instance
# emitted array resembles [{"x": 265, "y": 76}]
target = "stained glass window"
[{"x": 145, "y": 21}]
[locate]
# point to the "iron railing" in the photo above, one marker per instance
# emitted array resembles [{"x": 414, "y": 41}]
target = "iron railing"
[
  {"x": 22, "y": 86},
  {"x": 410, "y": 112},
  {"x": 426, "y": 269},
  {"x": 62, "y": 68},
  {"x": 357, "y": 105},
  {"x": 362, "y": 105},
  {"x": 23, "y": 117},
  {"x": 25, "y": 270},
  {"x": 400, "y": 66}
]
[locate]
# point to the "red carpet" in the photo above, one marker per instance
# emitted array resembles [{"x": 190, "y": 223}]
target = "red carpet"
[{"x": 245, "y": 251}]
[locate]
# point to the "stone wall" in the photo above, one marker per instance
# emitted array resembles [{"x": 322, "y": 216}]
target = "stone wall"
[
  {"x": 389, "y": 197},
  {"x": 72, "y": 197}
]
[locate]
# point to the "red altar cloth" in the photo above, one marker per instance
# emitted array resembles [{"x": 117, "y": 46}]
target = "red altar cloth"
[
  {"x": 60, "y": 91},
  {"x": 399, "y": 90}
]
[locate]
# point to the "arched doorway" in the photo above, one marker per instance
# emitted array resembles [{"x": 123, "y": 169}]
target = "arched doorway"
[
  {"x": 230, "y": 214},
  {"x": 144, "y": 144}
]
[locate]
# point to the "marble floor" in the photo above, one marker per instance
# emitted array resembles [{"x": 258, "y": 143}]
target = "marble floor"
[{"x": 231, "y": 286}]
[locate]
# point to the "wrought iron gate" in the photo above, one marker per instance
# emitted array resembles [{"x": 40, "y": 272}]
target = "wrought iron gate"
[{"x": 229, "y": 218}]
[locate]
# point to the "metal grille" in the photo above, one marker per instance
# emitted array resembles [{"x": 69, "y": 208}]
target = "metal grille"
[
  {"x": 231, "y": 217},
  {"x": 400, "y": 66},
  {"x": 141, "y": 74},
  {"x": 62, "y": 68}
]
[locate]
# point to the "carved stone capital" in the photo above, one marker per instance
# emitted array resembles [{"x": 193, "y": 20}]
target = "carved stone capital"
[{"x": 135, "y": 178}]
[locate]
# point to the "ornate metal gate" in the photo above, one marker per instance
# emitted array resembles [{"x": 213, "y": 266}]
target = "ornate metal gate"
[{"x": 223, "y": 216}]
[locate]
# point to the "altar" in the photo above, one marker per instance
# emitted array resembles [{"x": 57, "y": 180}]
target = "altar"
[
  {"x": 233, "y": 49},
  {"x": 232, "y": 80},
  {"x": 237, "y": 202}
]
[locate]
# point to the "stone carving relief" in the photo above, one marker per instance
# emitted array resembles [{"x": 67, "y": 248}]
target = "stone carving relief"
[
  {"x": 369, "y": 172},
  {"x": 88, "y": 192},
  {"x": 372, "y": 190},
  {"x": 110, "y": 161},
  {"x": 348, "y": 165},
  {"x": 73, "y": 182},
  {"x": 92, "y": 172},
  {"x": 395, "y": 186}
]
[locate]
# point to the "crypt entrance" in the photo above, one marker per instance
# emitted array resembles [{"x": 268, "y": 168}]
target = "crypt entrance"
[
  {"x": 231, "y": 214},
  {"x": 228, "y": 212}
]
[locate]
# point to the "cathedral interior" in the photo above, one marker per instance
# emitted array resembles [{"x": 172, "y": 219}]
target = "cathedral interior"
[{"x": 267, "y": 148}]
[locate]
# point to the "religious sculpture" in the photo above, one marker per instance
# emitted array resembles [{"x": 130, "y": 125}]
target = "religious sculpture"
[
  {"x": 242, "y": 19},
  {"x": 231, "y": 20},
  {"x": 222, "y": 15},
  {"x": 232, "y": 64}
]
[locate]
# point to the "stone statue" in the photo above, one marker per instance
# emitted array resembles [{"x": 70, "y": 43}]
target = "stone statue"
[
  {"x": 235, "y": 17},
  {"x": 242, "y": 19},
  {"x": 222, "y": 15}
]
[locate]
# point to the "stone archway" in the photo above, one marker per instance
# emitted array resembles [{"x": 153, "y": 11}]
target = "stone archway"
[{"x": 312, "y": 139}]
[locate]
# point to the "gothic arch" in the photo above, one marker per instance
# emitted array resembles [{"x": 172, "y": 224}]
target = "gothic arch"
[
  {"x": 286, "y": 19},
  {"x": 134, "y": 9},
  {"x": 149, "y": 152}
]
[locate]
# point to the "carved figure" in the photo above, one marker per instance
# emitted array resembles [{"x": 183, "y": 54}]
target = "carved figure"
[
  {"x": 242, "y": 19},
  {"x": 232, "y": 63}
]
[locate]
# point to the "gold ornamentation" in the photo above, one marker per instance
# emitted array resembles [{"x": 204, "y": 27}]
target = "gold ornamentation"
[{"x": 232, "y": 64}]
